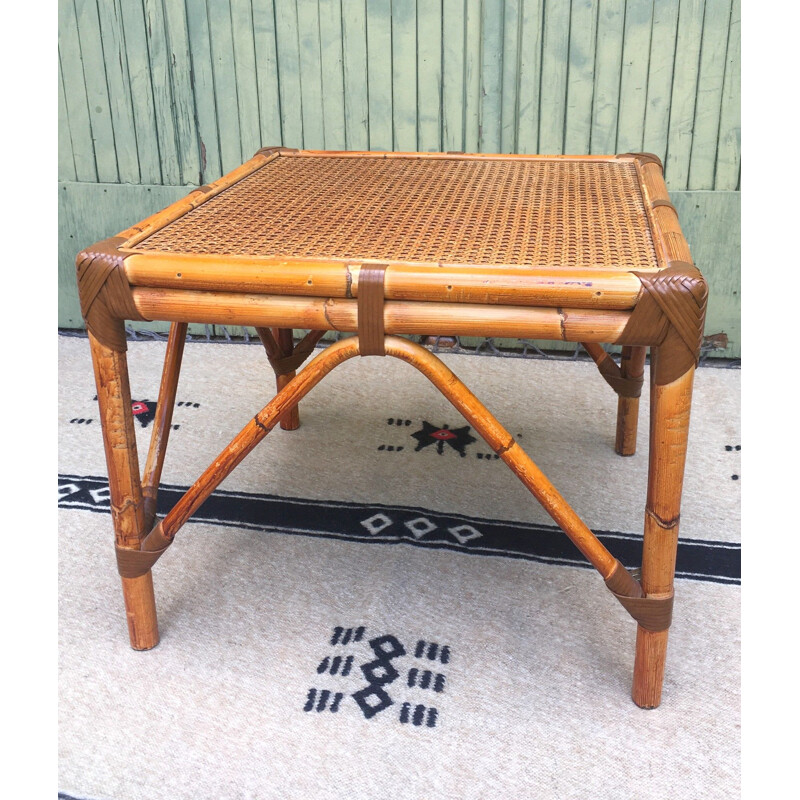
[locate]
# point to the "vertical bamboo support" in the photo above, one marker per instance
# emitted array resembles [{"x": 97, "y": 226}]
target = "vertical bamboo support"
[
  {"x": 290, "y": 421},
  {"x": 127, "y": 504},
  {"x": 670, "y": 405},
  {"x": 163, "y": 420},
  {"x": 632, "y": 368}
]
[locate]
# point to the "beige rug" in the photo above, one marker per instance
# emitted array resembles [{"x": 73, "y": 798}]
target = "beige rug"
[{"x": 475, "y": 657}]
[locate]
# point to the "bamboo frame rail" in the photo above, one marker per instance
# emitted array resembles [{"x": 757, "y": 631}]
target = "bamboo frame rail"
[{"x": 567, "y": 248}]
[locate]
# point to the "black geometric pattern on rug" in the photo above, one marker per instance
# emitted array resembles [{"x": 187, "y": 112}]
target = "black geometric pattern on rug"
[
  {"x": 397, "y": 677},
  {"x": 717, "y": 562},
  {"x": 457, "y": 438}
]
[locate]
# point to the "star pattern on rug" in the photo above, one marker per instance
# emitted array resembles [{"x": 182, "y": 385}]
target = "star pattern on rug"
[{"x": 457, "y": 438}]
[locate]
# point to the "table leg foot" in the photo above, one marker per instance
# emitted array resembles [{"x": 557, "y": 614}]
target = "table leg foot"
[
  {"x": 648, "y": 669},
  {"x": 140, "y": 609}
]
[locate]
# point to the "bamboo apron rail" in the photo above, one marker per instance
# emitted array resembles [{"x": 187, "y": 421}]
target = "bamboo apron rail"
[{"x": 569, "y": 248}]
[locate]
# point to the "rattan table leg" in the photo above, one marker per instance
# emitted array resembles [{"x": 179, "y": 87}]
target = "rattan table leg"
[
  {"x": 127, "y": 504},
  {"x": 291, "y": 419},
  {"x": 632, "y": 369},
  {"x": 670, "y": 405}
]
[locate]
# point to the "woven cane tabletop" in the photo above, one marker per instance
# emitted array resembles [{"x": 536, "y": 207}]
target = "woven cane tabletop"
[{"x": 493, "y": 212}]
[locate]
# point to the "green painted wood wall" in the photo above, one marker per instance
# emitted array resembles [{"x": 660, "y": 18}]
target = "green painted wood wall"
[{"x": 159, "y": 96}]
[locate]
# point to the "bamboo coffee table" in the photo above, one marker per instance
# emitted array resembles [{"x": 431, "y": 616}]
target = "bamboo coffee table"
[{"x": 567, "y": 248}]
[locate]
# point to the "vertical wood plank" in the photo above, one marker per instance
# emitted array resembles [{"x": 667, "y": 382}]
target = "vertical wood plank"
[
  {"x": 310, "y": 74},
  {"x": 244, "y": 56},
  {"x": 684, "y": 89},
  {"x": 118, "y": 81},
  {"x": 183, "y": 110},
  {"x": 633, "y": 78},
  {"x": 77, "y": 104},
  {"x": 203, "y": 86},
  {"x": 453, "y": 77},
  {"x": 730, "y": 133},
  {"x": 608, "y": 63},
  {"x": 555, "y": 57},
  {"x": 356, "y": 93},
  {"x": 379, "y": 69},
  {"x": 158, "y": 50},
  {"x": 330, "y": 43},
  {"x": 580, "y": 80},
  {"x": 141, "y": 89},
  {"x": 429, "y": 76},
  {"x": 266, "y": 54},
  {"x": 226, "y": 95},
  {"x": 404, "y": 74},
  {"x": 509, "y": 111},
  {"x": 491, "y": 106},
  {"x": 472, "y": 69},
  {"x": 66, "y": 163},
  {"x": 289, "y": 73},
  {"x": 659, "y": 81},
  {"x": 530, "y": 61},
  {"x": 94, "y": 76},
  {"x": 713, "y": 57}
]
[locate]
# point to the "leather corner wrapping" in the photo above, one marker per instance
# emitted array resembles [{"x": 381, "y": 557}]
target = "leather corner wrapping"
[
  {"x": 134, "y": 563},
  {"x": 268, "y": 151},
  {"x": 104, "y": 292},
  {"x": 651, "y": 613},
  {"x": 644, "y": 158},
  {"x": 370, "y": 310},
  {"x": 670, "y": 314}
]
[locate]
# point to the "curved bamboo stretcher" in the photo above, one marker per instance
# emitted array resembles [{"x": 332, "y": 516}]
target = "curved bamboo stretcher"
[{"x": 583, "y": 249}]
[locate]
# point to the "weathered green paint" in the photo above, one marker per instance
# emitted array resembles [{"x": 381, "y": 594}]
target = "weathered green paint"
[
  {"x": 141, "y": 89},
  {"x": 730, "y": 134},
  {"x": 713, "y": 53},
  {"x": 529, "y": 82},
  {"x": 265, "y": 45},
  {"x": 580, "y": 78},
  {"x": 608, "y": 64},
  {"x": 332, "y": 61},
  {"x": 404, "y": 75},
  {"x": 633, "y": 76},
  {"x": 244, "y": 52},
  {"x": 555, "y": 64},
  {"x": 684, "y": 94},
  {"x": 178, "y": 92},
  {"x": 659, "y": 82},
  {"x": 429, "y": 76},
  {"x": 356, "y": 92}
]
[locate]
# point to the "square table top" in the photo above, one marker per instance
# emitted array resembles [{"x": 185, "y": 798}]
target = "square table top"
[{"x": 559, "y": 212}]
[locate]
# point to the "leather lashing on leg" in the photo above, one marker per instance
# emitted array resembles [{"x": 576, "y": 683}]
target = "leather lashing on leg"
[
  {"x": 652, "y": 613},
  {"x": 133, "y": 563},
  {"x": 290, "y": 363},
  {"x": 370, "y": 310}
]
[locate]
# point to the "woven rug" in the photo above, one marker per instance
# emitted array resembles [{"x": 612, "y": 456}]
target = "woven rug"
[{"x": 373, "y": 605}]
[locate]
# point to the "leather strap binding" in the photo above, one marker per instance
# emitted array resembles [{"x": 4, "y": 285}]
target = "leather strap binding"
[
  {"x": 290, "y": 363},
  {"x": 652, "y": 613},
  {"x": 133, "y": 563},
  {"x": 370, "y": 310},
  {"x": 672, "y": 304},
  {"x": 661, "y": 202}
]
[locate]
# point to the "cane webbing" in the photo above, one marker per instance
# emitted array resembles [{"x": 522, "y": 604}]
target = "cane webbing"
[
  {"x": 532, "y": 212},
  {"x": 370, "y": 310}
]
